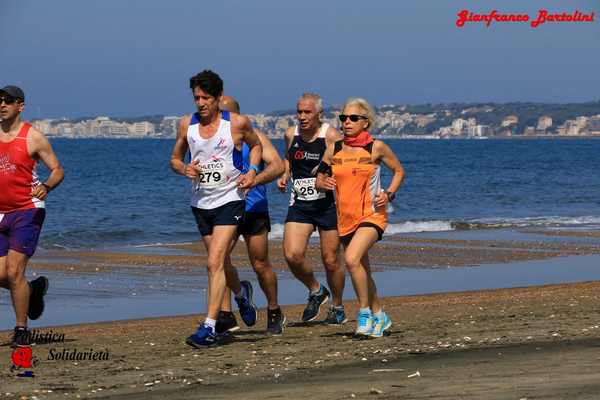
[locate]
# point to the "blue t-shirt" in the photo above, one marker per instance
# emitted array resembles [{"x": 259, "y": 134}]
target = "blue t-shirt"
[{"x": 256, "y": 199}]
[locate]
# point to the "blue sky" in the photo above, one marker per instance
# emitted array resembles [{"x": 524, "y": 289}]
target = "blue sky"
[{"x": 131, "y": 57}]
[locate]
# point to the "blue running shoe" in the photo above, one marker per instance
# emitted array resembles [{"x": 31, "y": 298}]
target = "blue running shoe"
[
  {"x": 365, "y": 324},
  {"x": 315, "y": 301},
  {"x": 380, "y": 324},
  {"x": 205, "y": 336},
  {"x": 336, "y": 316},
  {"x": 245, "y": 304}
]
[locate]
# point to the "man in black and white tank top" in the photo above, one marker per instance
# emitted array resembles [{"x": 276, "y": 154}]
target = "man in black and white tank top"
[
  {"x": 310, "y": 210},
  {"x": 215, "y": 140}
]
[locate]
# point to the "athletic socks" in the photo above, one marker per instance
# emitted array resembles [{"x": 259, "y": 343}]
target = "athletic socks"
[{"x": 211, "y": 323}]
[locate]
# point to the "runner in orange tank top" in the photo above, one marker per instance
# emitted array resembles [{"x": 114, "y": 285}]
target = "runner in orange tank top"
[
  {"x": 351, "y": 168},
  {"x": 357, "y": 186}
]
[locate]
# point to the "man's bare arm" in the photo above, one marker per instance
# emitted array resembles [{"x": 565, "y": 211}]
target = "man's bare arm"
[
  {"x": 41, "y": 148},
  {"x": 241, "y": 124},
  {"x": 282, "y": 181},
  {"x": 275, "y": 166},
  {"x": 180, "y": 149},
  {"x": 252, "y": 140}
]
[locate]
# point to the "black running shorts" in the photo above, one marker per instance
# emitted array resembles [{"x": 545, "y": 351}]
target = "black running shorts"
[
  {"x": 231, "y": 213},
  {"x": 254, "y": 223},
  {"x": 324, "y": 219}
]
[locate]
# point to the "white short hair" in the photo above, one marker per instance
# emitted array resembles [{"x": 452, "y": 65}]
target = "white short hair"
[{"x": 314, "y": 97}]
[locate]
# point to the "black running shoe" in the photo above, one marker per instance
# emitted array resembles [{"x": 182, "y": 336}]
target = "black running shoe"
[
  {"x": 226, "y": 322},
  {"x": 21, "y": 337},
  {"x": 314, "y": 304},
  {"x": 39, "y": 287},
  {"x": 275, "y": 322}
]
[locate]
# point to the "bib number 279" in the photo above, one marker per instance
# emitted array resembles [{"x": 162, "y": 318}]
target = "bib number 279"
[{"x": 208, "y": 178}]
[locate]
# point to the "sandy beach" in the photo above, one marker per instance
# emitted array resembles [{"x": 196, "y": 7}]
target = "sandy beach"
[
  {"x": 541, "y": 342},
  {"x": 520, "y": 343}
]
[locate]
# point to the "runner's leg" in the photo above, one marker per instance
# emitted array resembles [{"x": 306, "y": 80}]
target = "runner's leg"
[
  {"x": 19, "y": 287},
  {"x": 218, "y": 246},
  {"x": 374, "y": 302},
  {"x": 330, "y": 242},
  {"x": 3, "y": 274},
  {"x": 232, "y": 278},
  {"x": 295, "y": 242},
  {"x": 354, "y": 255},
  {"x": 258, "y": 252}
]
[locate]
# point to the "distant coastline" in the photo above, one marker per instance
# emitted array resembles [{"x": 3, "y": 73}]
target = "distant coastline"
[
  {"x": 427, "y": 121},
  {"x": 386, "y": 137}
]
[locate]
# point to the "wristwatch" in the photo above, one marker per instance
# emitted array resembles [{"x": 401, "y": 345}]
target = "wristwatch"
[
  {"x": 391, "y": 196},
  {"x": 48, "y": 188}
]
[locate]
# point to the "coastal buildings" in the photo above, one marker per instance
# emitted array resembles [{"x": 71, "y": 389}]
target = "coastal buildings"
[
  {"x": 103, "y": 127},
  {"x": 509, "y": 120},
  {"x": 428, "y": 121},
  {"x": 168, "y": 126},
  {"x": 544, "y": 122},
  {"x": 594, "y": 125}
]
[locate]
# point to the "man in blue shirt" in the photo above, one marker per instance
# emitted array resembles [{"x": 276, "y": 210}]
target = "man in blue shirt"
[{"x": 255, "y": 228}]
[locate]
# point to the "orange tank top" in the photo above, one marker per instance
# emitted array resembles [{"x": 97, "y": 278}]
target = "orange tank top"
[{"x": 357, "y": 184}]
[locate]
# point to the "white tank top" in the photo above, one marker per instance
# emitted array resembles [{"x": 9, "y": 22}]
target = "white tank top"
[{"x": 220, "y": 162}]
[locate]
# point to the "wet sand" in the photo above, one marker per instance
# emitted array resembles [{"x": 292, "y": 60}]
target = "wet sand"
[
  {"x": 567, "y": 233},
  {"x": 536, "y": 342},
  {"x": 396, "y": 252}
]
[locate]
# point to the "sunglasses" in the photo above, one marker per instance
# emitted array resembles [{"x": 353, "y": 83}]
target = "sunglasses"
[
  {"x": 352, "y": 117},
  {"x": 8, "y": 100}
]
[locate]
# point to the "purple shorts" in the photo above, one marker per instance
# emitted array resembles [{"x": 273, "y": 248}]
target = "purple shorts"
[{"x": 20, "y": 230}]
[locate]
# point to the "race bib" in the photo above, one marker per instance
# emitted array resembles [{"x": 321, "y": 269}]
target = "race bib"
[
  {"x": 211, "y": 174},
  {"x": 305, "y": 189}
]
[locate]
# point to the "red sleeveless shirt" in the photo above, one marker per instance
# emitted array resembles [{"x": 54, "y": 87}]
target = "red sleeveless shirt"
[{"x": 17, "y": 174}]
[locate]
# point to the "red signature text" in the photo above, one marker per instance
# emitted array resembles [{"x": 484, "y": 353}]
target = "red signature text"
[{"x": 542, "y": 17}]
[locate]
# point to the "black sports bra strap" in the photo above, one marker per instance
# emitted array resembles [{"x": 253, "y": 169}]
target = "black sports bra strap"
[{"x": 337, "y": 146}]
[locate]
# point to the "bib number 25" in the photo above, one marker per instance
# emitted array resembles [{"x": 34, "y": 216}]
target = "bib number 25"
[{"x": 305, "y": 189}]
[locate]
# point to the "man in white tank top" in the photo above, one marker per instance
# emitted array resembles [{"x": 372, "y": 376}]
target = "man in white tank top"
[{"x": 215, "y": 140}]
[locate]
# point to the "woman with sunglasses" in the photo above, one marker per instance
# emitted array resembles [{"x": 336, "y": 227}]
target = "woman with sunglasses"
[{"x": 351, "y": 168}]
